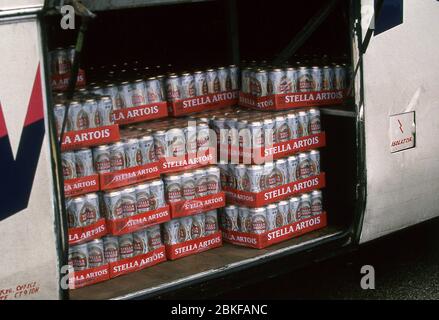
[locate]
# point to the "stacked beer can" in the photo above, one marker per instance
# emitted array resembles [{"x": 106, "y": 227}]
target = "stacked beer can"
[{"x": 60, "y": 62}]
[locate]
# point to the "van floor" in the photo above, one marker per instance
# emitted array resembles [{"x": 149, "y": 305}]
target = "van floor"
[{"x": 405, "y": 265}]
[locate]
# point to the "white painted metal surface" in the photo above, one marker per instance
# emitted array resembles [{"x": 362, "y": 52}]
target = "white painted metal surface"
[
  {"x": 20, "y": 4},
  {"x": 401, "y": 74},
  {"x": 29, "y": 258}
]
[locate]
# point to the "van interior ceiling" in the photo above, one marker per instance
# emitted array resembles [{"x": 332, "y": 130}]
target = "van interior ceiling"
[{"x": 196, "y": 35}]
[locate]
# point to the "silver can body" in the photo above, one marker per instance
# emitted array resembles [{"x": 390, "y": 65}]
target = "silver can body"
[
  {"x": 129, "y": 202},
  {"x": 146, "y": 145},
  {"x": 340, "y": 77},
  {"x": 78, "y": 257},
  {"x": 213, "y": 83},
  {"x": 117, "y": 156},
  {"x": 282, "y": 130},
  {"x": 133, "y": 154},
  {"x": 200, "y": 177},
  {"x": 111, "y": 248},
  {"x": 293, "y": 163},
  {"x": 173, "y": 88},
  {"x": 96, "y": 257},
  {"x": 294, "y": 206},
  {"x": 291, "y": 75},
  {"x": 260, "y": 83},
  {"x": 317, "y": 78},
  {"x": 153, "y": 90},
  {"x": 234, "y": 77},
  {"x": 198, "y": 226},
  {"x": 173, "y": 188},
  {"x": 187, "y": 86},
  {"x": 126, "y": 246},
  {"x": 314, "y": 158},
  {"x": 84, "y": 163},
  {"x": 305, "y": 207},
  {"x": 303, "y": 123},
  {"x": 305, "y": 80},
  {"x": 68, "y": 160},
  {"x": 105, "y": 109},
  {"x": 244, "y": 220},
  {"x": 259, "y": 220},
  {"x": 316, "y": 202},
  {"x": 154, "y": 237},
  {"x": 138, "y": 93},
  {"x": 275, "y": 84},
  {"x": 211, "y": 224},
  {"x": 113, "y": 205},
  {"x": 284, "y": 209},
  {"x": 171, "y": 232},
  {"x": 92, "y": 208},
  {"x": 293, "y": 124},
  {"x": 142, "y": 198},
  {"x": 188, "y": 187},
  {"x": 314, "y": 121},
  {"x": 255, "y": 174},
  {"x": 140, "y": 242},
  {"x": 328, "y": 78},
  {"x": 213, "y": 180},
  {"x": 304, "y": 166},
  {"x": 157, "y": 194},
  {"x": 281, "y": 172},
  {"x": 175, "y": 142},
  {"x": 200, "y": 83},
  {"x": 273, "y": 216},
  {"x": 231, "y": 218}
]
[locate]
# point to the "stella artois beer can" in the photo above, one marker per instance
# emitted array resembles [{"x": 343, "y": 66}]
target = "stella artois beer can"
[
  {"x": 213, "y": 180},
  {"x": 154, "y": 237},
  {"x": 113, "y": 205},
  {"x": 259, "y": 220},
  {"x": 241, "y": 180},
  {"x": 282, "y": 175},
  {"x": 126, "y": 246},
  {"x": 129, "y": 202},
  {"x": 211, "y": 224},
  {"x": 317, "y": 78},
  {"x": 231, "y": 218},
  {"x": 260, "y": 83},
  {"x": 282, "y": 129},
  {"x": 78, "y": 257},
  {"x": 293, "y": 162},
  {"x": 171, "y": 232},
  {"x": 173, "y": 188},
  {"x": 200, "y": 83},
  {"x": 79, "y": 211},
  {"x": 284, "y": 208},
  {"x": 244, "y": 221},
  {"x": 140, "y": 242},
  {"x": 68, "y": 160},
  {"x": 92, "y": 208},
  {"x": 59, "y": 111},
  {"x": 153, "y": 90},
  {"x": 224, "y": 173},
  {"x": 304, "y": 166},
  {"x": 96, "y": 90},
  {"x": 219, "y": 124},
  {"x": 133, "y": 154},
  {"x": 245, "y": 80},
  {"x": 78, "y": 117},
  {"x": 305, "y": 206},
  {"x": 146, "y": 145},
  {"x": 340, "y": 77},
  {"x": 316, "y": 202},
  {"x": 198, "y": 225},
  {"x": 187, "y": 81},
  {"x": 90, "y": 106},
  {"x": 305, "y": 79},
  {"x": 111, "y": 248},
  {"x": 124, "y": 96},
  {"x": 185, "y": 230},
  {"x": 84, "y": 162},
  {"x": 270, "y": 177},
  {"x": 274, "y": 218},
  {"x": 213, "y": 82},
  {"x": 112, "y": 91},
  {"x": 234, "y": 79},
  {"x": 275, "y": 78},
  {"x": 188, "y": 186},
  {"x": 255, "y": 174},
  {"x": 160, "y": 144},
  {"x": 269, "y": 132},
  {"x": 314, "y": 121},
  {"x": 257, "y": 134},
  {"x": 142, "y": 198},
  {"x": 175, "y": 142},
  {"x": 96, "y": 257},
  {"x": 203, "y": 136},
  {"x": 105, "y": 110},
  {"x": 224, "y": 79},
  {"x": 190, "y": 134},
  {"x": 291, "y": 75},
  {"x": 156, "y": 194},
  {"x": 173, "y": 87},
  {"x": 138, "y": 93},
  {"x": 314, "y": 158},
  {"x": 293, "y": 124},
  {"x": 303, "y": 124},
  {"x": 294, "y": 205},
  {"x": 117, "y": 156},
  {"x": 59, "y": 61},
  {"x": 162, "y": 82},
  {"x": 201, "y": 187},
  {"x": 328, "y": 78}
]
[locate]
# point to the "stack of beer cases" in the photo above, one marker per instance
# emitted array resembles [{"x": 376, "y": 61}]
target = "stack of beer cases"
[
  {"x": 271, "y": 171},
  {"x": 115, "y": 199}
]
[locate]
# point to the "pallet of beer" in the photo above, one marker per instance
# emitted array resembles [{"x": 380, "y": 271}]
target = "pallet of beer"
[
  {"x": 202, "y": 90},
  {"x": 292, "y": 87},
  {"x": 264, "y": 226}
]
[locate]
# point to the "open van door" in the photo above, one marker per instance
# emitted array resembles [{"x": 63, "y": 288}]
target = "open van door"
[{"x": 400, "y": 115}]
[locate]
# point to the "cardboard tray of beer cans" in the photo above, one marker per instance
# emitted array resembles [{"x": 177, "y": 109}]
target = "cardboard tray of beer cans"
[
  {"x": 195, "y": 246},
  {"x": 187, "y": 162},
  {"x": 128, "y": 176},
  {"x": 82, "y": 278},
  {"x": 203, "y": 103},
  {"x": 137, "y": 263},
  {"x": 277, "y": 150},
  {"x": 139, "y": 221},
  {"x": 141, "y": 113},
  {"x": 262, "y": 198},
  {"x": 90, "y": 232},
  {"x": 82, "y": 185},
  {"x": 292, "y": 100},
  {"x": 90, "y": 137},
  {"x": 197, "y": 205},
  {"x": 266, "y": 239}
]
